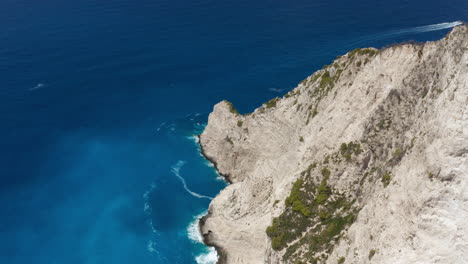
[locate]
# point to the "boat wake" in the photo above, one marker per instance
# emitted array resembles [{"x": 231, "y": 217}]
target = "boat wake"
[
  {"x": 176, "y": 170},
  {"x": 408, "y": 31},
  {"x": 38, "y": 86}
]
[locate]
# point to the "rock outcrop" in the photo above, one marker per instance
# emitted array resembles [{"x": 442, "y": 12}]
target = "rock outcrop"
[{"x": 364, "y": 161}]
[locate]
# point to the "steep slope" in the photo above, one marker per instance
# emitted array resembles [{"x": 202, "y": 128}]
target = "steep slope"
[{"x": 365, "y": 161}]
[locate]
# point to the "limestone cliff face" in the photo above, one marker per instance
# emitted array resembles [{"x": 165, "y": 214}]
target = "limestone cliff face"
[{"x": 384, "y": 133}]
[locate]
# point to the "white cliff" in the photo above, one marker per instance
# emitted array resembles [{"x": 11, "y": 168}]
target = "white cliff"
[{"x": 402, "y": 184}]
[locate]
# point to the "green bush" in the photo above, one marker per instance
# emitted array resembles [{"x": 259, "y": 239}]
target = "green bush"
[
  {"x": 314, "y": 217},
  {"x": 232, "y": 109},
  {"x": 398, "y": 154},
  {"x": 347, "y": 150},
  {"x": 341, "y": 260},
  {"x": 324, "y": 191},
  {"x": 271, "y": 103},
  {"x": 372, "y": 253},
  {"x": 386, "y": 178},
  {"x": 240, "y": 123},
  {"x": 326, "y": 80},
  {"x": 229, "y": 140},
  {"x": 325, "y": 173},
  {"x": 314, "y": 112}
]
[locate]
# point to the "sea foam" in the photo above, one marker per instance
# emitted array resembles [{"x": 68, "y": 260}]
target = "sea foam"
[
  {"x": 407, "y": 31},
  {"x": 211, "y": 257},
  {"x": 193, "y": 231},
  {"x": 176, "y": 171}
]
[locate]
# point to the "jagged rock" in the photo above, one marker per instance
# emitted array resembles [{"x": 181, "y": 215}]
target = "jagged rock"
[{"x": 406, "y": 106}]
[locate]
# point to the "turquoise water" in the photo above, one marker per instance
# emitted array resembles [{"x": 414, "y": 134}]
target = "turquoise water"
[{"x": 100, "y": 102}]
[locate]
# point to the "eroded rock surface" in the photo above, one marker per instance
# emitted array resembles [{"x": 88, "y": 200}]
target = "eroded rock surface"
[{"x": 390, "y": 126}]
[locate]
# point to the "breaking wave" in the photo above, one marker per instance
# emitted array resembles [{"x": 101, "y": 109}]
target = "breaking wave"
[
  {"x": 211, "y": 257},
  {"x": 176, "y": 170},
  {"x": 193, "y": 231}
]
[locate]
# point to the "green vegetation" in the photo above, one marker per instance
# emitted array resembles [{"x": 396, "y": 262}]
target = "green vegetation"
[
  {"x": 240, "y": 123},
  {"x": 326, "y": 80},
  {"x": 430, "y": 175},
  {"x": 412, "y": 143},
  {"x": 301, "y": 139},
  {"x": 314, "y": 112},
  {"x": 308, "y": 205},
  {"x": 370, "y": 52},
  {"x": 398, "y": 154},
  {"x": 291, "y": 223},
  {"x": 304, "y": 82},
  {"x": 271, "y": 103},
  {"x": 372, "y": 253},
  {"x": 323, "y": 193},
  {"x": 296, "y": 200},
  {"x": 384, "y": 124},
  {"x": 386, "y": 178},
  {"x": 341, "y": 260},
  {"x": 228, "y": 139},
  {"x": 347, "y": 150},
  {"x": 309, "y": 169},
  {"x": 232, "y": 109},
  {"x": 325, "y": 173},
  {"x": 315, "y": 77}
]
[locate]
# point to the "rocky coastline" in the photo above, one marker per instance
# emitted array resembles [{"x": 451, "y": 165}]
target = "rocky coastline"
[{"x": 364, "y": 161}]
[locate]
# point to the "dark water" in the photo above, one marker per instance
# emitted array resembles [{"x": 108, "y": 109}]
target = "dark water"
[{"x": 99, "y": 102}]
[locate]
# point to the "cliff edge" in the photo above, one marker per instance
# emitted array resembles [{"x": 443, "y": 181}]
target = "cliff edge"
[{"x": 364, "y": 161}]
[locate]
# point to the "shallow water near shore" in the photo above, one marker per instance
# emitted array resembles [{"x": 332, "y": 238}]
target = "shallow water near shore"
[{"x": 101, "y": 101}]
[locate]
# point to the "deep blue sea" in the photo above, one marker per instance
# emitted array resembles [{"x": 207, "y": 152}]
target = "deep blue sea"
[{"x": 100, "y": 102}]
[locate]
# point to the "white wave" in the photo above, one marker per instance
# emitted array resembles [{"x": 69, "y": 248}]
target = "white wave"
[
  {"x": 147, "y": 208},
  {"x": 276, "y": 90},
  {"x": 150, "y": 223},
  {"x": 193, "y": 231},
  {"x": 407, "y": 31},
  {"x": 161, "y": 126},
  {"x": 146, "y": 195},
  {"x": 151, "y": 247},
  {"x": 176, "y": 170},
  {"x": 194, "y": 138},
  {"x": 38, "y": 86},
  {"x": 210, "y": 257}
]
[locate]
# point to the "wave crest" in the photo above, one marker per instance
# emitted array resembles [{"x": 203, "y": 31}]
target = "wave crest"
[{"x": 193, "y": 231}]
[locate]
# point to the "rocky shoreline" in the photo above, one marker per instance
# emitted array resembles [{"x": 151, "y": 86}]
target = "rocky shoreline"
[
  {"x": 366, "y": 159},
  {"x": 207, "y": 240}
]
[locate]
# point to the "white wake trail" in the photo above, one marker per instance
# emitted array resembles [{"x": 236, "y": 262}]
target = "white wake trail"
[
  {"x": 176, "y": 170},
  {"x": 423, "y": 29},
  {"x": 413, "y": 30}
]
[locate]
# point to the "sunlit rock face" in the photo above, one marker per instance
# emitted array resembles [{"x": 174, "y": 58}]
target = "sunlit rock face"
[{"x": 391, "y": 128}]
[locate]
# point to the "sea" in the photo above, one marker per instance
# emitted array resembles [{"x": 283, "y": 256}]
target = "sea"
[{"x": 101, "y": 103}]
